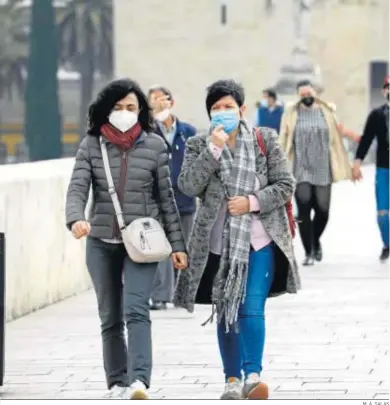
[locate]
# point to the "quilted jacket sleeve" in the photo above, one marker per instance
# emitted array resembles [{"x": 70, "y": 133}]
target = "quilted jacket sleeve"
[
  {"x": 168, "y": 208},
  {"x": 78, "y": 190}
]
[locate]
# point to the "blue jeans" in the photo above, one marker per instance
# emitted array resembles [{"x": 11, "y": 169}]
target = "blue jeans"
[
  {"x": 382, "y": 203},
  {"x": 243, "y": 351}
]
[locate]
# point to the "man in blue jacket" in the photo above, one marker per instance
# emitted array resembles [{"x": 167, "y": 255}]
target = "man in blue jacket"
[
  {"x": 269, "y": 113},
  {"x": 175, "y": 133}
]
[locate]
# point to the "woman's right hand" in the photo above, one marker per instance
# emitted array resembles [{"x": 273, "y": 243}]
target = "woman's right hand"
[
  {"x": 180, "y": 260},
  {"x": 80, "y": 229},
  {"x": 219, "y": 137}
]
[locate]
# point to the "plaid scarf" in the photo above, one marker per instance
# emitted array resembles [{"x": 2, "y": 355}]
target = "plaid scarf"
[{"x": 238, "y": 178}]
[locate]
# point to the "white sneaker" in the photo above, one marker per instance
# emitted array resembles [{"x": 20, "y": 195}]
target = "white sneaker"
[
  {"x": 117, "y": 392},
  {"x": 138, "y": 390},
  {"x": 233, "y": 389}
]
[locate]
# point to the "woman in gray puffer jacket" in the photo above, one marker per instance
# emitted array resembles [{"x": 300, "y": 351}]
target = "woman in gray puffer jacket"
[{"x": 138, "y": 161}]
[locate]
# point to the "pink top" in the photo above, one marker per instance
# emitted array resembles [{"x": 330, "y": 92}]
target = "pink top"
[{"x": 260, "y": 237}]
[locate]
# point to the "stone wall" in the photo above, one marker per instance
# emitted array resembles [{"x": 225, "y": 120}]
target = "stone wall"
[
  {"x": 44, "y": 263},
  {"x": 183, "y": 45}
]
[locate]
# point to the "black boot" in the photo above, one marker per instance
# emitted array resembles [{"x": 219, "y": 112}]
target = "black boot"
[
  {"x": 318, "y": 252},
  {"x": 384, "y": 255}
]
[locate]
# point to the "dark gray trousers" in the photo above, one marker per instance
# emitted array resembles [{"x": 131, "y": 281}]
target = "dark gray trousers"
[
  {"x": 122, "y": 289},
  {"x": 164, "y": 282}
]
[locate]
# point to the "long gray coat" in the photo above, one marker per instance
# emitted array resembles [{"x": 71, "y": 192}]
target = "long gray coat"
[{"x": 199, "y": 178}]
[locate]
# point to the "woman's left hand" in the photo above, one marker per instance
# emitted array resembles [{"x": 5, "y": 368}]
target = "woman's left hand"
[
  {"x": 180, "y": 261},
  {"x": 348, "y": 133},
  {"x": 238, "y": 205}
]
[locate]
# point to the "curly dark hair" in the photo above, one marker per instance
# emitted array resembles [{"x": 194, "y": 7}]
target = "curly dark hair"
[
  {"x": 223, "y": 88},
  {"x": 105, "y": 101}
]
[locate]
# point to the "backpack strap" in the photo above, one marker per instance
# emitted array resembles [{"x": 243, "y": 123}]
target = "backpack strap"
[{"x": 260, "y": 141}]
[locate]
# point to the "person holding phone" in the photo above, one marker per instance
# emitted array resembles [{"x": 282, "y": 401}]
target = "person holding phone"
[
  {"x": 175, "y": 134},
  {"x": 138, "y": 161},
  {"x": 312, "y": 139},
  {"x": 240, "y": 248}
]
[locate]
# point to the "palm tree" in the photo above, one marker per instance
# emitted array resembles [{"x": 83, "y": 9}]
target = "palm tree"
[
  {"x": 13, "y": 48},
  {"x": 86, "y": 36}
]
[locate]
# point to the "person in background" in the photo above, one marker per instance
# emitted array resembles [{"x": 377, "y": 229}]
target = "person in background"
[
  {"x": 175, "y": 133},
  {"x": 377, "y": 126},
  {"x": 240, "y": 249},
  {"x": 269, "y": 113},
  {"x": 313, "y": 141},
  {"x": 138, "y": 159}
]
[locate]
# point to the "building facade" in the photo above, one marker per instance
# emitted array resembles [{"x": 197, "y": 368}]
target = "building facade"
[{"x": 342, "y": 45}]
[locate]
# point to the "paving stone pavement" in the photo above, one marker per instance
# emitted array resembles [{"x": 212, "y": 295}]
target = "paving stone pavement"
[{"x": 331, "y": 341}]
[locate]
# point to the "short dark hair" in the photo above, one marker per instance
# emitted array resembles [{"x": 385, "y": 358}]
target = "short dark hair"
[
  {"x": 223, "y": 88},
  {"x": 270, "y": 93},
  {"x": 105, "y": 101},
  {"x": 303, "y": 83},
  {"x": 163, "y": 90}
]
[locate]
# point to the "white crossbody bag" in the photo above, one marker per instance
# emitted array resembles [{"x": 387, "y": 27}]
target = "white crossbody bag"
[{"x": 144, "y": 239}]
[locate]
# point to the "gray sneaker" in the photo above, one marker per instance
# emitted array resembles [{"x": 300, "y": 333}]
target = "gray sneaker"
[{"x": 232, "y": 389}]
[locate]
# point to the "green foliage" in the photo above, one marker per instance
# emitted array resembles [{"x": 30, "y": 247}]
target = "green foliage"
[
  {"x": 13, "y": 48},
  {"x": 87, "y": 24},
  {"x": 86, "y": 37}
]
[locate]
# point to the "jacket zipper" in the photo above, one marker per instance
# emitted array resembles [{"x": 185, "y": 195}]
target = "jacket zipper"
[{"x": 121, "y": 190}]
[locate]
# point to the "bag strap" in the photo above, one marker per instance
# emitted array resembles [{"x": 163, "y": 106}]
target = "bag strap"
[
  {"x": 260, "y": 141},
  {"x": 111, "y": 186}
]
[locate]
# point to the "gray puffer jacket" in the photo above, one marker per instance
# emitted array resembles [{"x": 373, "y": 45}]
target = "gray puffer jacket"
[{"x": 142, "y": 181}]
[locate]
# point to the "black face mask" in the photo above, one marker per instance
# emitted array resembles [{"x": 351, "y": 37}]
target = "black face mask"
[
  {"x": 307, "y": 101},
  {"x": 387, "y": 96}
]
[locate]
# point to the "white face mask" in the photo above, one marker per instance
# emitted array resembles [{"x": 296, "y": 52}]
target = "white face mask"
[
  {"x": 123, "y": 119},
  {"x": 163, "y": 115}
]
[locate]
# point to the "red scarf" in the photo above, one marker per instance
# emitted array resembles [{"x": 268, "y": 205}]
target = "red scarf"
[{"x": 124, "y": 140}]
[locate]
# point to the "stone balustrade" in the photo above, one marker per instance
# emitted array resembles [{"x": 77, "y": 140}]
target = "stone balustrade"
[{"x": 44, "y": 263}]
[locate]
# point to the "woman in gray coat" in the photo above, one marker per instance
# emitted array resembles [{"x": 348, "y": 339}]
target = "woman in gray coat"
[
  {"x": 241, "y": 242},
  {"x": 138, "y": 161}
]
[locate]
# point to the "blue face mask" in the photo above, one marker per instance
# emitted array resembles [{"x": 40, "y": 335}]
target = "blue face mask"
[
  {"x": 264, "y": 103},
  {"x": 229, "y": 119}
]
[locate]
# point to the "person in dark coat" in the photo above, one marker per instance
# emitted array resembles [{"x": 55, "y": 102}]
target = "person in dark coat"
[
  {"x": 138, "y": 159},
  {"x": 175, "y": 133},
  {"x": 377, "y": 127}
]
